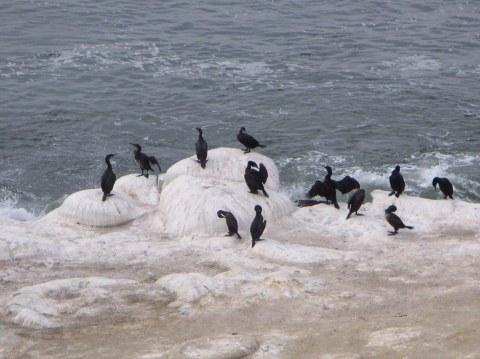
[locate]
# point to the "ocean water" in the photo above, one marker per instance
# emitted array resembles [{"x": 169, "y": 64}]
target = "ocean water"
[{"x": 360, "y": 86}]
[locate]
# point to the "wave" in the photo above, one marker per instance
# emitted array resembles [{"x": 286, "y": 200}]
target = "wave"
[
  {"x": 8, "y": 208},
  {"x": 418, "y": 172}
]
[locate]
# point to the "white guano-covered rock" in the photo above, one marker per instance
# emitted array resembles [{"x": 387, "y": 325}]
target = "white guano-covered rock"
[
  {"x": 39, "y": 306},
  {"x": 295, "y": 254},
  {"x": 227, "y": 164},
  {"x": 189, "y": 205},
  {"x": 139, "y": 188},
  {"x": 188, "y": 287},
  {"x": 87, "y": 208},
  {"x": 225, "y": 347},
  {"x": 191, "y": 196}
]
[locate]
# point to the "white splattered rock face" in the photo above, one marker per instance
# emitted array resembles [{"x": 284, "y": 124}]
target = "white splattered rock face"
[
  {"x": 187, "y": 287},
  {"x": 139, "y": 188},
  {"x": 225, "y": 347},
  {"x": 191, "y": 196},
  {"x": 87, "y": 208},
  {"x": 227, "y": 164}
]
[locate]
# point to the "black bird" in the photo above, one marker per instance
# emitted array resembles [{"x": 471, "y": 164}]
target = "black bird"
[
  {"x": 231, "y": 223},
  {"x": 258, "y": 225},
  {"x": 144, "y": 161},
  {"x": 394, "y": 220},
  {"x": 248, "y": 141},
  {"x": 107, "y": 181},
  {"x": 201, "y": 148},
  {"x": 255, "y": 179},
  {"x": 396, "y": 182},
  {"x": 355, "y": 201},
  {"x": 328, "y": 186},
  {"x": 445, "y": 186}
]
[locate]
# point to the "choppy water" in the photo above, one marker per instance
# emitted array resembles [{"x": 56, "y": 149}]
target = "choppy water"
[{"x": 361, "y": 86}]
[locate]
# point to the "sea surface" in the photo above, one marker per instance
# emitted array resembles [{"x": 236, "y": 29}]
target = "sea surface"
[{"x": 361, "y": 86}]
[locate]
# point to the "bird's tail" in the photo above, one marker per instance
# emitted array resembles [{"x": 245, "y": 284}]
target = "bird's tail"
[
  {"x": 336, "y": 205},
  {"x": 409, "y": 227},
  {"x": 203, "y": 164},
  {"x": 239, "y": 237},
  {"x": 348, "y": 215},
  {"x": 104, "y": 198},
  {"x": 253, "y": 242},
  {"x": 265, "y": 193}
]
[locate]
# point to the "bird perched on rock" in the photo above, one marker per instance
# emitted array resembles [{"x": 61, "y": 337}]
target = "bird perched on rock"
[
  {"x": 201, "y": 148},
  {"x": 355, "y": 202},
  {"x": 394, "y": 220},
  {"x": 258, "y": 225},
  {"x": 107, "y": 181},
  {"x": 256, "y": 179},
  {"x": 248, "y": 141},
  {"x": 328, "y": 186},
  {"x": 396, "y": 182},
  {"x": 231, "y": 223},
  {"x": 445, "y": 186},
  {"x": 144, "y": 161}
]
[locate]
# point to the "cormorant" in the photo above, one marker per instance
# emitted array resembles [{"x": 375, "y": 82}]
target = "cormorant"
[
  {"x": 445, "y": 186},
  {"x": 231, "y": 223},
  {"x": 328, "y": 186},
  {"x": 255, "y": 179},
  {"x": 107, "y": 181},
  {"x": 248, "y": 141},
  {"x": 355, "y": 202},
  {"x": 394, "y": 220},
  {"x": 258, "y": 225},
  {"x": 144, "y": 161},
  {"x": 396, "y": 182},
  {"x": 201, "y": 148}
]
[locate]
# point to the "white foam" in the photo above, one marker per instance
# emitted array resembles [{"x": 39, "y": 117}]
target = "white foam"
[{"x": 8, "y": 209}]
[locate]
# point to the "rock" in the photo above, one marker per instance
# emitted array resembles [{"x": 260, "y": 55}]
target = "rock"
[
  {"x": 188, "y": 287},
  {"x": 227, "y": 164},
  {"x": 225, "y": 347},
  {"x": 87, "y": 208},
  {"x": 38, "y": 306},
  {"x": 189, "y": 205},
  {"x": 141, "y": 189}
]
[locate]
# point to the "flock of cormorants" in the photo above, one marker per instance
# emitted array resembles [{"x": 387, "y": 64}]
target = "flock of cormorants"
[{"x": 256, "y": 178}]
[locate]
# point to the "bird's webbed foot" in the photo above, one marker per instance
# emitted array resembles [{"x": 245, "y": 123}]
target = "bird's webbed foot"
[
  {"x": 111, "y": 194},
  {"x": 359, "y": 214},
  {"x": 392, "y": 233},
  {"x": 229, "y": 234},
  {"x": 391, "y": 193}
]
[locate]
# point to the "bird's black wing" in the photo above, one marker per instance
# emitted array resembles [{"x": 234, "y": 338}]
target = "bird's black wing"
[
  {"x": 394, "y": 220},
  {"x": 318, "y": 189},
  {"x": 232, "y": 223},
  {"x": 201, "y": 149},
  {"x": 154, "y": 161},
  {"x": 263, "y": 173},
  {"x": 346, "y": 184}
]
